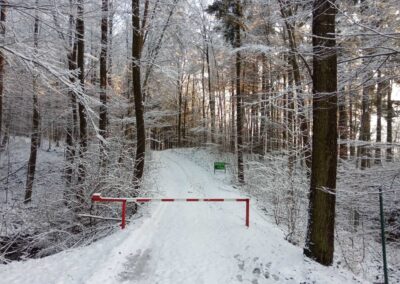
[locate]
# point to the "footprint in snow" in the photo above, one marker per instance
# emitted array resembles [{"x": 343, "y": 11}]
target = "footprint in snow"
[
  {"x": 255, "y": 269},
  {"x": 136, "y": 267},
  {"x": 240, "y": 262}
]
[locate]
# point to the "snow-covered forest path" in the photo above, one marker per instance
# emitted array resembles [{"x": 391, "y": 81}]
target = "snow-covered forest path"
[{"x": 183, "y": 242}]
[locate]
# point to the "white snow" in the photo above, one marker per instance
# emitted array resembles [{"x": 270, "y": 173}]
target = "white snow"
[{"x": 183, "y": 242}]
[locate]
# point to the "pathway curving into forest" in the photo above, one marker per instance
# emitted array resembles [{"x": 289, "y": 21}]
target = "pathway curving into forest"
[{"x": 184, "y": 242}]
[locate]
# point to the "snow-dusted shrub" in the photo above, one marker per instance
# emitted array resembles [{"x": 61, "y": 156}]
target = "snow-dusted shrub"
[{"x": 55, "y": 219}]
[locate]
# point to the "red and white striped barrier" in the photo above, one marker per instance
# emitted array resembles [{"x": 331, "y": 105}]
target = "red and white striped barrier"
[{"x": 96, "y": 197}]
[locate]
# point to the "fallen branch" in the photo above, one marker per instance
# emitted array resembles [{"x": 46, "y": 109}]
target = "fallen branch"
[{"x": 99, "y": 217}]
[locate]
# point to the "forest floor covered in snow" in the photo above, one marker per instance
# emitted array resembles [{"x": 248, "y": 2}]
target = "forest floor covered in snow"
[{"x": 184, "y": 242}]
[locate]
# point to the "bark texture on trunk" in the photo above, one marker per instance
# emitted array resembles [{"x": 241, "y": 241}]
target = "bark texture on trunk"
[
  {"x": 2, "y": 60},
  {"x": 103, "y": 80},
  {"x": 35, "y": 118},
  {"x": 80, "y": 29},
  {"x": 343, "y": 128},
  {"x": 389, "y": 122},
  {"x": 365, "y": 131},
  {"x": 239, "y": 96},
  {"x": 233, "y": 135},
  {"x": 321, "y": 221},
  {"x": 137, "y": 95},
  {"x": 179, "y": 127},
  {"x": 72, "y": 126},
  {"x": 203, "y": 101},
  {"x": 379, "y": 95},
  {"x": 71, "y": 131},
  {"x": 211, "y": 95}
]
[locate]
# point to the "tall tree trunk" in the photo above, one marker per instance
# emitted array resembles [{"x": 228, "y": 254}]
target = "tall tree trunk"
[
  {"x": 233, "y": 138},
  {"x": 103, "y": 82},
  {"x": 343, "y": 129},
  {"x": 203, "y": 103},
  {"x": 284, "y": 110},
  {"x": 321, "y": 221},
  {"x": 290, "y": 123},
  {"x": 255, "y": 108},
  {"x": 379, "y": 94},
  {"x": 137, "y": 94},
  {"x": 72, "y": 123},
  {"x": 179, "y": 127},
  {"x": 80, "y": 29},
  {"x": 271, "y": 130},
  {"x": 193, "y": 113},
  {"x": 224, "y": 117},
  {"x": 71, "y": 131},
  {"x": 3, "y": 10},
  {"x": 264, "y": 105},
  {"x": 92, "y": 62},
  {"x": 365, "y": 131},
  {"x": 185, "y": 104},
  {"x": 389, "y": 122},
  {"x": 211, "y": 95},
  {"x": 110, "y": 42},
  {"x": 35, "y": 116},
  {"x": 239, "y": 94},
  {"x": 352, "y": 123}
]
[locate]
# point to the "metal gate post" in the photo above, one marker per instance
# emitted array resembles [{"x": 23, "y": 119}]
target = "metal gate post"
[
  {"x": 123, "y": 221},
  {"x": 247, "y": 212}
]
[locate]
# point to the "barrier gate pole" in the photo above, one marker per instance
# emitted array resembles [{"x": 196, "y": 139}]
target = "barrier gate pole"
[{"x": 96, "y": 197}]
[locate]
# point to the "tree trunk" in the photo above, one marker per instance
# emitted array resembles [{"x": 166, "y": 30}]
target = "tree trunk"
[
  {"x": 379, "y": 94},
  {"x": 343, "y": 129},
  {"x": 352, "y": 123},
  {"x": 211, "y": 95},
  {"x": 35, "y": 117},
  {"x": 284, "y": 111},
  {"x": 71, "y": 131},
  {"x": 93, "y": 63},
  {"x": 203, "y": 103},
  {"x": 80, "y": 29},
  {"x": 110, "y": 42},
  {"x": 185, "y": 105},
  {"x": 3, "y": 10},
  {"x": 103, "y": 82},
  {"x": 137, "y": 95},
  {"x": 389, "y": 122},
  {"x": 179, "y": 127},
  {"x": 365, "y": 131},
  {"x": 264, "y": 106},
  {"x": 233, "y": 138},
  {"x": 290, "y": 123},
  {"x": 193, "y": 113},
  {"x": 321, "y": 221},
  {"x": 239, "y": 95}
]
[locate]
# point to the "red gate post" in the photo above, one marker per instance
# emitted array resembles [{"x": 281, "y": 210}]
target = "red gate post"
[
  {"x": 247, "y": 212},
  {"x": 247, "y": 201},
  {"x": 123, "y": 221},
  {"x": 96, "y": 197}
]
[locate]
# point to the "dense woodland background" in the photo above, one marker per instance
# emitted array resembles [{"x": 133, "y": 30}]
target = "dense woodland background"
[{"x": 87, "y": 87}]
